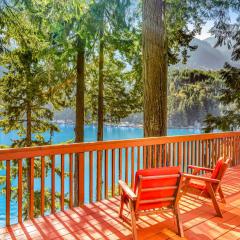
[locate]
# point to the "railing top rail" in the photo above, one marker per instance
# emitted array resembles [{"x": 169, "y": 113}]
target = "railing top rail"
[{"x": 28, "y": 152}]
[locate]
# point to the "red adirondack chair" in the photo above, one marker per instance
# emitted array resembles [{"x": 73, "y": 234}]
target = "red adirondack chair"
[
  {"x": 155, "y": 190},
  {"x": 207, "y": 186}
]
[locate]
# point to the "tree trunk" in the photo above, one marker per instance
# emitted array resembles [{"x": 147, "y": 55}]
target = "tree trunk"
[
  {"x": 79, "y": 125},
  {"x": 155, "y": 64},
  {"x": 100, "y": 87},
  {"x": 29, "y": 126}
]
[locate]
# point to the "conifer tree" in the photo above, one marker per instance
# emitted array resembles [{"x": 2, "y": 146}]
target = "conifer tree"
[
  {"x": 226, "y": 30},
  {"x": 30, "y": 91},
  {"x": 230, "y": 99}
]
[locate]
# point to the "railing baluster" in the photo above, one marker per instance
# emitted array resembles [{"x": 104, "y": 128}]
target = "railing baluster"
[
  {"x": 227, "y": 146},
  {"x": 70, "y": 180},
  {"x": 53, "y": 184},
  {"x": 193, "y": 159},
  {"x": 126, "y": 165},
  {"x": 169, "y": 162},
  {"x": 106, "y": 174},
  {"x": 81, "y": 166},
  {"x": 207, "y": 153},
  {"x": 120, "y": 166},
  {"x": 233, "y": 151},
  {"x": 184, "y": 157},
  {"x": 218, "y": 148},
  {"x": 180, "y": 155},
  {"x": 160, "y": 164},
  {"x": 155, "y": 156},
  {"x": 203, "y": 155},
  {"x": 165, "y": 155},
  {"x": 231, "y": 148},
  {"x": 189, "y": 160},
  {"x": 91, "y": 176},
  {"x": 99, "y": 175},
  {"x": 144, "y": 157},
  {"x": 198, "y": 152},
  {"x": 132, "y": 166},
  {"x": 113, "y": 172},
  {"x": 42, "y": 184},
  {"x": 224, "y": 147},
  {"x": 149, "y": 157},
  {"x": 138, "y": 157},
  {"x": 31, "y": 186},
  {"x": 62, "y": 183},
  {"x": 20, "y": 190},
  {"x": 8, "y": 192},
  {"x": 174, "y": 154},
  {"x": 212, "y": 153}
]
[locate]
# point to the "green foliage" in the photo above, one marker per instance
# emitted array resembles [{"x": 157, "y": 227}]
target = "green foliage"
[
  {"x": 226, "y": 28},
  {"x": 230, "y": 99},
  {"x": 31, "y": 88},
  {"x": 192, "y": 95},
  {"x": 118, "y": 96},
  {"x": 115, "y": 35},
  {"x": 227, "y": 31}
]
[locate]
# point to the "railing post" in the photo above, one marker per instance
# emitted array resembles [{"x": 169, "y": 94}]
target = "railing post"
[
  {"x": 8, "y": 192},
  {"x": 53, "y": 184},
  {"x": 81, "y": 166},
  {"x": 31, "y": 187},
  {"x": 20, "y": 190}
]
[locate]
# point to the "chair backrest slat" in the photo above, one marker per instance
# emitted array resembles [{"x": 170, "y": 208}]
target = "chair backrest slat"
[
  {"x": 159, "y": 188},
  {"x": 160, "y": 177}
]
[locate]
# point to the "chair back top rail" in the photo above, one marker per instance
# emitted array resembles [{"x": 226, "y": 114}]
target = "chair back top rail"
[{"x": 36, "y": 151}]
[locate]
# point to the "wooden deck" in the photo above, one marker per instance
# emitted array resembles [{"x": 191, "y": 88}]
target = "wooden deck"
[{"x": 100, "y": 220}]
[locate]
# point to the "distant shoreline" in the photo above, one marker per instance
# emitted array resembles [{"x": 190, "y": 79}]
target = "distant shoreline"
[{"x": 122, "y": 124}]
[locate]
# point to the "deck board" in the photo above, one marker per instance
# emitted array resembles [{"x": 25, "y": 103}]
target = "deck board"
[{"x": 100, "y": 220}]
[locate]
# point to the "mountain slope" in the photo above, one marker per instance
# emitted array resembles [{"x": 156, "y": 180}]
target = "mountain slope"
[{"x": 206, "y": 57}]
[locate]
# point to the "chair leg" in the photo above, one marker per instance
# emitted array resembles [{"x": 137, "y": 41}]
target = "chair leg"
[
  {"x": 179, "y": 222},
  {"x": 214, "y": 200},
  {"x": 133, "y": 221},
  {"x": 121, "y": 207},
  {"x": 221, "y": 195}
]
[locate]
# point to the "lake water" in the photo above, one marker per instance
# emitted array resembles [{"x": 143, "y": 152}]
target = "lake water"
[{"x": 67, "y": 133}]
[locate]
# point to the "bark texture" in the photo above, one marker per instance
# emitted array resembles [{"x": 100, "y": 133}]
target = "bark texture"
[
  {"x": 79, "y": 127},
  {"x": 29, "y": 125},
  {"x": 155, "y": 65}
]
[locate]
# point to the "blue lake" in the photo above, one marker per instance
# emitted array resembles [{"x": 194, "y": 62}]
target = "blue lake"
[{"x": 67, "y": 133}]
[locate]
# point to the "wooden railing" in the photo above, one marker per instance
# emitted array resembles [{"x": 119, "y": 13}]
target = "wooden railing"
[{"x": 102, "y": 164}]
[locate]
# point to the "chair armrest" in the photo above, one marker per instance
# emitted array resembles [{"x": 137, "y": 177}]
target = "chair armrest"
[
  {"x": 201, "y": 168},
  {"x": 202, "y": 178},
  {"x": 127, "y": 190}
]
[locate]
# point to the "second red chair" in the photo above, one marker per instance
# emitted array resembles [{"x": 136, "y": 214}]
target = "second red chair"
[{"x": 155, "y": 190}]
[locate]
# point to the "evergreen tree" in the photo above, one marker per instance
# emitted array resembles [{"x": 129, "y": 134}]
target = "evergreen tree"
[
  {"x": 226, "y": 30},
  {"x": 192, "y": 95},
  {"x": 113, "y": 31},
  {"x": 230, "y": 99},
  {"x": 29, "y": 85}
]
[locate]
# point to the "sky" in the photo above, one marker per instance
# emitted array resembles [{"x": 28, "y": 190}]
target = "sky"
[{"x": 205, "y": 30}]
